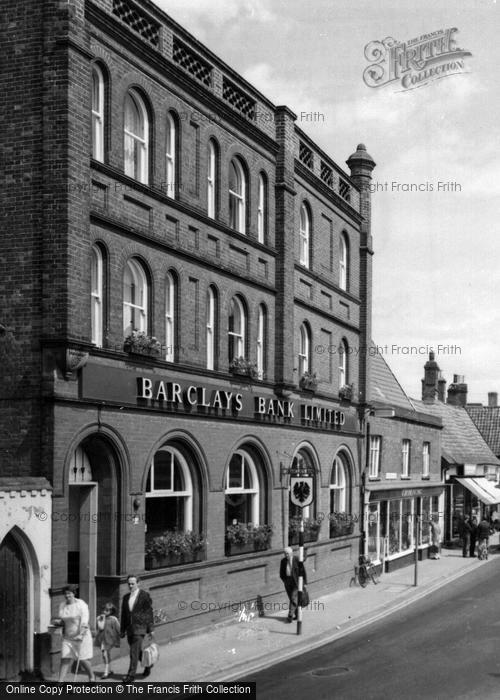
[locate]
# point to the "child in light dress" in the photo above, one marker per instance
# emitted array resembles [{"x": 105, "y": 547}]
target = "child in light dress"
[{"x": 108, "y": 635}]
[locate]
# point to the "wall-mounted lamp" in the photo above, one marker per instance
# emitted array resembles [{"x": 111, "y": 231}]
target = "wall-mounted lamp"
[{"x": 136, "y": 504}]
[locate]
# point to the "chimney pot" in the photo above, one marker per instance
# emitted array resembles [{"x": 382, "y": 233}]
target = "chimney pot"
[{"x": 492, "y": 399}]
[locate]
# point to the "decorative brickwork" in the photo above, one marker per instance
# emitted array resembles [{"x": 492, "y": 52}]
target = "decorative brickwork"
[
  {"x": 237, "y": 99},
  {"x": 192, "y": 63},
  {"x": 137, "y": 20},
  {"x": 326, "y": 174},
  {"x": 306, "y": 155}
]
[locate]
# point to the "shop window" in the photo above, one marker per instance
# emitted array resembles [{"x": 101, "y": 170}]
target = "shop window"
[
  {"x": 135, "y": 298},
  {"x": 236, "y": 329},
  {"x": 262, "y": 209},
  {"x": 405, "y": 458},
  {"x": 98, "y": 123},
  {"x": 304, "y": 235},
  {"x": 237, "y": 196},
  {"x": 171, "y": 153},
  {"x": 97, "y": 266},
  {"x": 136, "y": 137},
  {"x": 304, "y": 350},
  {"x": 394, "y": 527},
  {"x": 343, "y": 262},
  {"x": 261, "y": 341},
  {"x": 426, "y": 459},
  {"x": 212, "y": 179},
  {"x": 170, "y": 316},
  {"x": 211, "y": 329},
  {"x": 375, "y": 530},
  {"x": 375, "y": 449},
  {"x": 407, "y": 524}
]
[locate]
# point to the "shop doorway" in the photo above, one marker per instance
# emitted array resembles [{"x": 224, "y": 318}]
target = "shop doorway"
[{"x": 14, "y": 609}]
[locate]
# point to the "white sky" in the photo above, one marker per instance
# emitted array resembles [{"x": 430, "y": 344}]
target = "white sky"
[{"x": 437, "y": 254}]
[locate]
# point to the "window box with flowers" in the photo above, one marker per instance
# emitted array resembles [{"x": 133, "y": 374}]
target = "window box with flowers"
[
  {"x": 346, "y": 392},
  {"x": 242, "y": 538},
  {"x": 140, "y": 343},
  {"x": 311, "y": 530},
  {"x": 341, "y": 524},
  {"x": 174, "y": 548},
  {"x": 308, "y": 381},
  {"x": 244, "y": 368}
]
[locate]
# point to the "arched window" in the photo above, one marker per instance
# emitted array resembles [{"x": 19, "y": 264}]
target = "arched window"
[
  {"x": 304, "y": 235},
  {"x": 97, "y": 113},
  {"x": 236, "y": 329},
  {"x": 343, "y": 262},
  {"x": 170, "y": 317},
  {"x": 304, "y": 350},
  {"x": 97, "y": 295},
  {"x": 169, "y": 493},
  {"x": 262, "y": 209},
  {"x": 211, "y": 179},
  {"x": 340, "y": 497},
  {"x": 261, "y": 341},
  {"x": 343, "y": 365},
  {"x": 135, "y": 298},
  {"x": 242, "y": 490},
  {"x": 211, "y": 327},
  {"x": 237, "y": 196},
  {"x": 171, "y": 150},
  {"x": 136, "y": 137}
]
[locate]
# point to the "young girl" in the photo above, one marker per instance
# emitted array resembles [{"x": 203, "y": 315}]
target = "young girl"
[{"x": 108, "y": 635}]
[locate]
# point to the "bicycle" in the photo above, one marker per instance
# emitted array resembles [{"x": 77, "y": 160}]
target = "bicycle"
[{"x": 366, "y": 571}]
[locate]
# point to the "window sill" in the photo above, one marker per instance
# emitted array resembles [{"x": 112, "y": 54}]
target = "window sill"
[
  {"x": 405, "y": 477},
  {"x": 427, "y": 477},
  {"x": 374, "y": 478}
]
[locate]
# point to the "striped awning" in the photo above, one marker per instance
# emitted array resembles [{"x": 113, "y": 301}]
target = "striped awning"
[{"x": 482, "y": 489}]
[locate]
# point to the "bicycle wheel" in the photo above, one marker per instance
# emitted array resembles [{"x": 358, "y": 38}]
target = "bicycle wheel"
[
  {"x": 363, "y": 576},
  {"x": 374, "y": 575}
]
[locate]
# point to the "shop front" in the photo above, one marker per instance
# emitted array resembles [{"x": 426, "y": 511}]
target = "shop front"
[{"x": 472, "y": 495}]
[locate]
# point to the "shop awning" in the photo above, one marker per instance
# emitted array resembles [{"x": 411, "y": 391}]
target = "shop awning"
[{"x": 482, "y": 489}]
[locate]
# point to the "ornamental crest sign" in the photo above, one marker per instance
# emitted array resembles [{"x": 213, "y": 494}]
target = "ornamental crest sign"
[{"x": 301, "y": 490}]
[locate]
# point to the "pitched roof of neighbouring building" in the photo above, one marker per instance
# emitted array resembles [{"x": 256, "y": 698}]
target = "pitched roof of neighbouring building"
[
  {"x": 384, "y": 387},
  {"x": 487, "y": 421}
]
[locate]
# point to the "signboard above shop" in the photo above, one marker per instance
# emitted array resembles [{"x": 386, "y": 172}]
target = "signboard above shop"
[{"x": 235, "y": 400}]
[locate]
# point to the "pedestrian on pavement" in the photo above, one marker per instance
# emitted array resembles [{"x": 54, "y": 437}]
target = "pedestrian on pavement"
[
  {"x": 77, "y": 639},
  {"x": 136, "y": 623},
  {"x": 435, "y": 538},
  {"x": 473, "y": 536},
  {"x": 465, "y": 534},
  {"x": 108, "y": 635},
  {"x": 290, "y": 570},
  {"x": 483, "y": 535}
]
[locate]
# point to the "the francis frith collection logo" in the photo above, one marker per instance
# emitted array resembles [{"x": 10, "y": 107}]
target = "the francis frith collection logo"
[{"x": 416, "y": 62}]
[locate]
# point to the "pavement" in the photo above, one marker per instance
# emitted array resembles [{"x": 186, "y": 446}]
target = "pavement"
[{"x": 232, "y": 649}]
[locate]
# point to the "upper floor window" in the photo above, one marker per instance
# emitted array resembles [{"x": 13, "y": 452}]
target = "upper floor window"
[
  {"x": 136, "y": 133},
  {"x": 170, "y": 324},
  {"x": 405, "y": 455},
  {"x": 97, "y": 113},
  {"x": 211, "y": 179},
  {"x": 262, "y": 209},
  {"x": 343, "y": 262},
  {"x": 304, "y": 236},
  {"x": 343, "y": 354},
  {"x": 135, "y": 298},
  {"x": 426, "y": 458},
  {"x": 171, "y": 156},
  {"x": 211, "y": 329},
  {"x": 237, "y": 196},
  {"x": 236, "y": 329},
  {"x": 261, "y": 341},
  {"x": 374, "y": 468},
  {"x": 304, "y": 350},
  {"x": 97, "y": 294}
]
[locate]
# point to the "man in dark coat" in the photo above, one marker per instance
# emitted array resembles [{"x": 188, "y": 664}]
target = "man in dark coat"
[
  {"x": 483, "y": 536},
  {"x": 136, "y": 622},
  {"x": 290, "y": 569},
  {"x": 473, "y": 536},
  {"x": 465, "y": 533}
]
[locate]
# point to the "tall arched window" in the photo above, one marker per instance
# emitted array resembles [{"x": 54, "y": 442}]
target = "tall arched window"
[
  {"x": 236, "y": 329},
  {"x": 135, "y": 298},
  {"x": 97, "y": 294},
  {"x": 343, "y": 365},
  {"x": 97, "y": 113},
  {"x": 304, "y": 235},
  {"x": 340, "y": 497},
  {"x": 262, "y": 209},
  {"x": 211, "y": 179},
  {"x": 211, "y": 327},
  {"x": 304, "y": 350},
  {"x": 343, "y": 262},
  {"x": 261, "y": 341},
  {"x": 170, "y": 317},
  {"x": 242, "y": 490},
  {"x": 171, "y": 150},
  {"x": 237, "y": 196},
  {"x": 136, "y": 137},
  {"x": 169, "y": 493}
]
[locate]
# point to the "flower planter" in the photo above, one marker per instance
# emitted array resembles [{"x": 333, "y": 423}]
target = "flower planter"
[
  {"x": 235, "y": 548},
  {"x": 341, "y": 529},
  {"x": 160, "y": 562},
  {"x": 309, "y": 536}
]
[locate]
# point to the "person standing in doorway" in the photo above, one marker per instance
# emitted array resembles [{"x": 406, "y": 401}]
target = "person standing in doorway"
[{"x": 136, "y": 623}]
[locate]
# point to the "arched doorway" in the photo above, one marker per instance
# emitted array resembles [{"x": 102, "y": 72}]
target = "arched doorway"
[{"x": 14, "y": 609}]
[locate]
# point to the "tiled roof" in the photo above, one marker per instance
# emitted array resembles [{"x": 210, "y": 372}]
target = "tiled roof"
[
  {"x": 487, "y": 421},
  {"x": 384, "y": 387},
  {"x": 462, "y": 442}
]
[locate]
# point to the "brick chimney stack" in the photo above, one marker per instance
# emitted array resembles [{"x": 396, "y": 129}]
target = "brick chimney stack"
[
  {"x": 492, "y": 399},
  {"x": 457, "y": 392},
  {"x": 433, "y": 384}
]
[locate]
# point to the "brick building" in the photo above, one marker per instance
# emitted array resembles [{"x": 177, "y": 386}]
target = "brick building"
[{"x": 186, "y": 284}]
